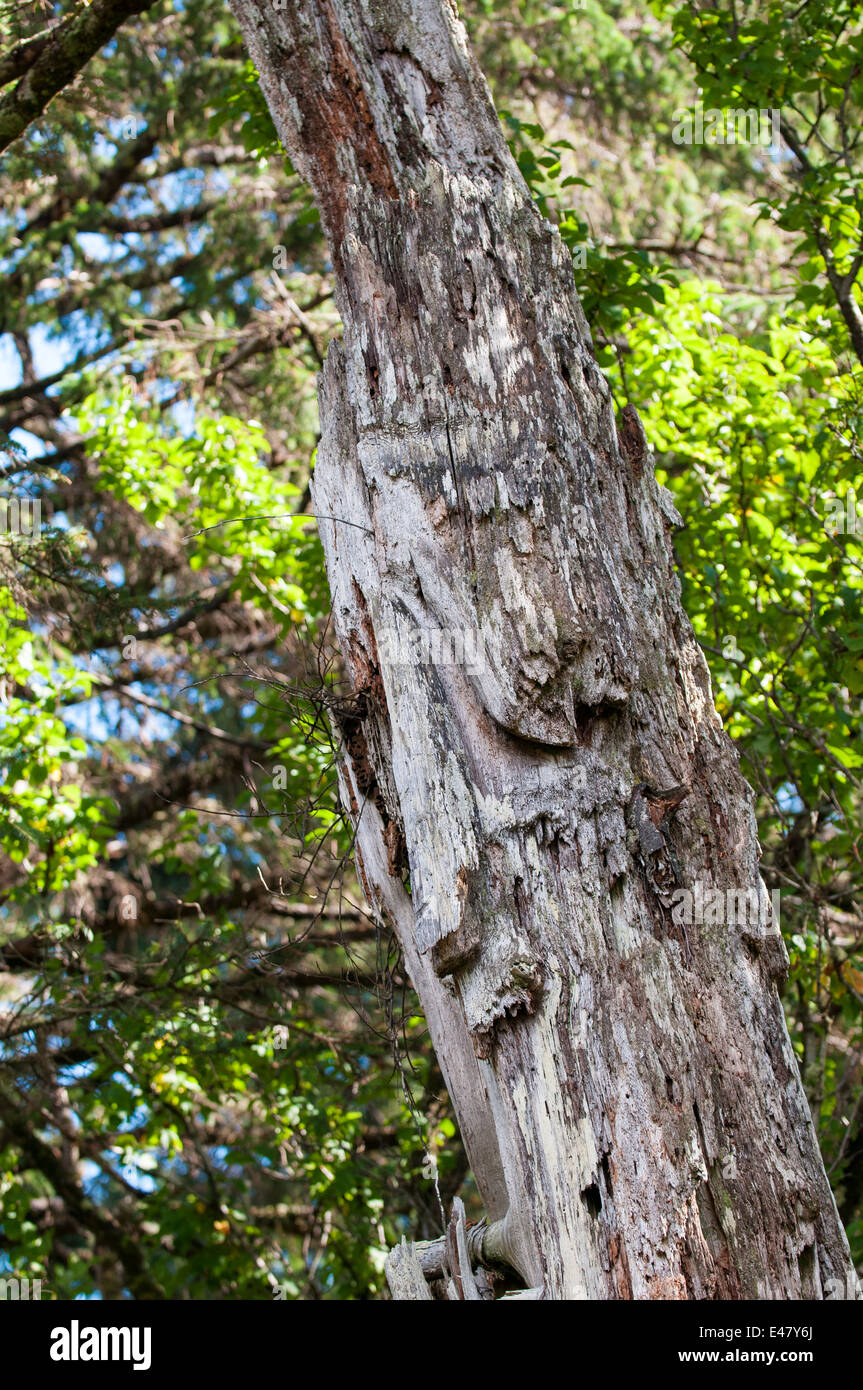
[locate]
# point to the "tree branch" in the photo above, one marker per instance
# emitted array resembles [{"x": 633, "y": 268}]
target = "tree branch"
[
  {"x": 68, "y": 49},
  {"x": 36, "y": 1153}
]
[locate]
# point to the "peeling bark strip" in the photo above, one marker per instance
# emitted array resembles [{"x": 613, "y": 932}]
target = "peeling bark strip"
[{"x": 629, "y": 1098}]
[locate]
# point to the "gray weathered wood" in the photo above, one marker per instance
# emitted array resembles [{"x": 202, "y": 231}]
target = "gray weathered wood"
[
  {"x": 405, "y": 1275},
  {"x": 626, "y": 1088}
]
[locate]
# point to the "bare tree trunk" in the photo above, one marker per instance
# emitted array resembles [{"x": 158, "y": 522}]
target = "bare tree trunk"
[{"x": 624, "y": 1082}]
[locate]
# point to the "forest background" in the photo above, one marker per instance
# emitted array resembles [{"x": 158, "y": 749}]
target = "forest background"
[{"x": 215, "y": 1079}]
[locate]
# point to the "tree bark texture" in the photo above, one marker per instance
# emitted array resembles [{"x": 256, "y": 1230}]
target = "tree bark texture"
[{"x": 625, "y": 1086}]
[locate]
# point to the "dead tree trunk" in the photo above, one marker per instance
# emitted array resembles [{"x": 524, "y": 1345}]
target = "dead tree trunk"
[{"x": 533, "y": 747}]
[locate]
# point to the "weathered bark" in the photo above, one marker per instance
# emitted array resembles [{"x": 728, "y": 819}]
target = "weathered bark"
[{"x": 626, "y": 1088}]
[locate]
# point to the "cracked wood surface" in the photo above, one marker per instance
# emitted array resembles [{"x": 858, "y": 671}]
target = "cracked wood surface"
[{"x": 629, "y": 1099}]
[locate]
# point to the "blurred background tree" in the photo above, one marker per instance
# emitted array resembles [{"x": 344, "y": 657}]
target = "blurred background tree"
[{"x": 216, "y": 1083}]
